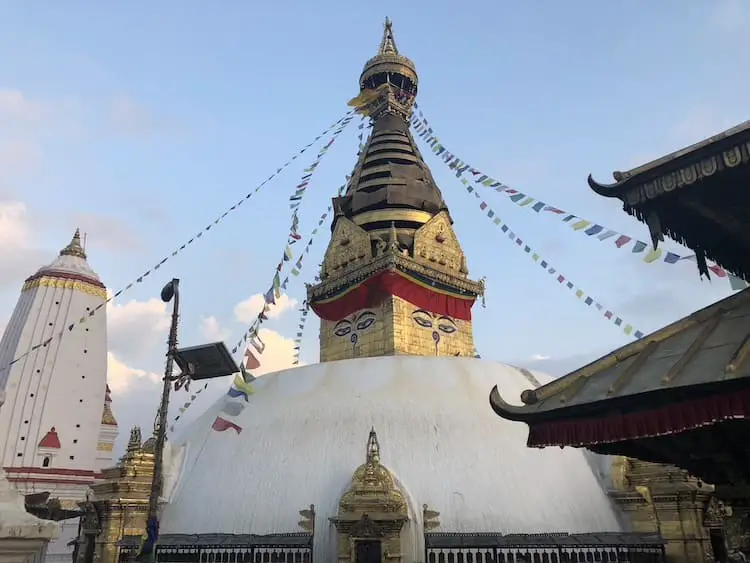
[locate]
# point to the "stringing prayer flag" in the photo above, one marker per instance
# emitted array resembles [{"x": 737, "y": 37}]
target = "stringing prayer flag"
[{"x": 222, "y": 425}]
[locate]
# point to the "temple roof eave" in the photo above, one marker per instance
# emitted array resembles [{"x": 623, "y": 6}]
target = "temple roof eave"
[
  {"x": 638, "y": 370},
  {"x": 673, "y": 162}
]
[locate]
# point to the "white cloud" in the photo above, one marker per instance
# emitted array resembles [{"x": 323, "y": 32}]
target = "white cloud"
[
  {"x": 20, "y": 257},
  {"x": 246, "y": 311},
  {"x": 278, "y": 355},
  {"x": 136, "y": 328},
  {"x": 212, "y": 330},
  {"x": 120, "y": 376}
]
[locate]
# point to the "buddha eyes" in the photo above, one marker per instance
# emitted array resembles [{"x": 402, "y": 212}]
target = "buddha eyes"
[
  {"x": 346, "y": 327},
  {"x": 343, "y": 330},
  {"x": 443, "y": 324},
  {"x": 366, "y": 323},
  {"x": 446, "y": 328},
  {"x": 423, "y": 322}
]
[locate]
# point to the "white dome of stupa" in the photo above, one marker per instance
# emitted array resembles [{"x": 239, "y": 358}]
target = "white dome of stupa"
[{"x": 303, "y": 434}]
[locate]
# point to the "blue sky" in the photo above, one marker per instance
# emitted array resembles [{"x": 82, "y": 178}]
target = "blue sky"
[{"x": 156, "y": 117}]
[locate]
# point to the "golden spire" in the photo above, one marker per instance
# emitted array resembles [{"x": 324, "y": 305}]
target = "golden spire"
[
  {"x": 388, "y": 43},
  {"x": 373, "y": 448},
  {"x": 74, "y": 248}
]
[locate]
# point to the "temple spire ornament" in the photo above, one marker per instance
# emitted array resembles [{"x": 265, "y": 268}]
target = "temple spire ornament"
[
  {"x": 388, "y": 43},
  {"x": 74, "y": 248},
  {"x": 373, "y": 448}
]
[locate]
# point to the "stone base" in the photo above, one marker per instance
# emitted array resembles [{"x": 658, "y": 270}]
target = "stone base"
[
  {"x": 22, "y": 550},
  {"x": 23, "y": 537}
]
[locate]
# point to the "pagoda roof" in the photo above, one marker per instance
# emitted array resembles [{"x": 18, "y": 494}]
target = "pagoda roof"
[
  {"x": 665, "y": 166},
  {"x": 697, "y": 196},
  {"x": 688, "y": 375},
  {"x": 390, "y": 174}
]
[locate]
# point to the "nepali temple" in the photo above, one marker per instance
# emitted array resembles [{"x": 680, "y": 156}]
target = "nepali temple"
[{"x": 387, "y": 449}]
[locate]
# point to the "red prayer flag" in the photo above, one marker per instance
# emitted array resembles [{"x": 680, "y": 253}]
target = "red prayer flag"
[
  {"x": 222, "y": 424},
  {"x": 251, "y": 362},
  {"x": 622, "y": 241}
]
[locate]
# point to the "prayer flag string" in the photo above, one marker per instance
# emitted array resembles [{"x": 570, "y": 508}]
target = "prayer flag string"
[
  {"x": 561, "y": 279},
  {"x": 250, "y": 361},
  {"x": 251, "y": 336},
  {"x": 592, "y": 229},
  {"x": 69, "y": 328},
  {"x": 304, "y": 310}
]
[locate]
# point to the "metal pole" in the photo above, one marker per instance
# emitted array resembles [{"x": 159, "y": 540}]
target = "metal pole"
[{"x": 161, "y": 421}]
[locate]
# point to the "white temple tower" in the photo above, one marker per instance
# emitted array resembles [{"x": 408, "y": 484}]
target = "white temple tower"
[{"x": 57, "y": 429}]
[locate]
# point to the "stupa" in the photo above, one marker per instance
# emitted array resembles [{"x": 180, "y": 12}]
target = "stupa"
[{"x": 387, "y": 449}]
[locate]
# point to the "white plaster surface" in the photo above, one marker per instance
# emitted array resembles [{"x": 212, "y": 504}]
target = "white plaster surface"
[
  {"x": 304, "y": 433},
  {"x": 22, "y": 535},
  {"x": 61, "y": 385}
]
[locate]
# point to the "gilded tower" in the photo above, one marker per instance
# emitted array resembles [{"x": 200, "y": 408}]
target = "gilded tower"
[{"x": 394, "y": 279}]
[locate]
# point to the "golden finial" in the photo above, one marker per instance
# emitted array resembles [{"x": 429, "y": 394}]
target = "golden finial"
[
  {"x": 388, "y": 43},
  {"x": 373, "y": 448},
  {"x": 393, "y": 238},
  {"x": 74, "y": 248},
  {"x": 134, "y": 444}
]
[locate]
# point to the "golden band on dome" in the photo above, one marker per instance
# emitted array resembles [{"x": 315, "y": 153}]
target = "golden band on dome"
[
  {"x": 61, "y": 283},
  {"x": 379, "y": 215}
]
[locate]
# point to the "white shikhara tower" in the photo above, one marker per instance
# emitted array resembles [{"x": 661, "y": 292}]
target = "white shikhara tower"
[{"x": 57, "y": 430}]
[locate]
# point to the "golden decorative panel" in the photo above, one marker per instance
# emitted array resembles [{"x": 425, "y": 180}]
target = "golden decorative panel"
[
  {"x": 60, "y": 283},
  {"x": 395, "y": 327},
  {"x": 363, "y": 334},
  {"x": 373, "y": 509},
  {"x": 104, "y": 447},
  {"x": 418, "y": 332},
  {"x": 349, "y": 247},
  {"x": 436, "y": 245}
]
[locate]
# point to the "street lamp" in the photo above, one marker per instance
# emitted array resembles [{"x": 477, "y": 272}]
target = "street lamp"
[{"x": 207, "y": 361}]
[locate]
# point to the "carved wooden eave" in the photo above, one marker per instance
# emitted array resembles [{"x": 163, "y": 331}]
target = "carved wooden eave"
[
  {"x": 391, "y": 261},
  {"x": 695, "y": 196},
  {"x": 679, "y": 169}
]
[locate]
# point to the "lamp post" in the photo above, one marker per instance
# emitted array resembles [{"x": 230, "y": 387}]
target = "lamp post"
[{"x": 206, "y": 361}]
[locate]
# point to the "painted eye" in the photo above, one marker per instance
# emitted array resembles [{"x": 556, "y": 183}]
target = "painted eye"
[
  {"x": 366, "y": 323},
  {"x": 342, "y": 330},
  {"x": 423, "y": 322},
  {"x": 447, "y": 329}
]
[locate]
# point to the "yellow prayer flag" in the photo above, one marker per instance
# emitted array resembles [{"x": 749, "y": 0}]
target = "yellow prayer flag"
[
  {"x": 535, "y": 257},
  {"x": 526, "y": 201},
  {"x": 580, "y": 225},
  {"x": 652, "y": 255},
  {"x": 367, "y": 96},
  {"x": 644, "y": 492},
  {"x": 628, "y": 329},
  {"x": 579, "y": 293}
]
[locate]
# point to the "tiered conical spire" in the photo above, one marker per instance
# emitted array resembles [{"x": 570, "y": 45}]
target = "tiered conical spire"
[
  {"x": 74, "y": 248},
  {"x": 391, "y": 173},
  {"x": 388, "y": 43}
]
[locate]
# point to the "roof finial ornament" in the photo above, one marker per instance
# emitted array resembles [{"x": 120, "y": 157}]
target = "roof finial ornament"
[
  {"x": 373, "y": 448},
  {"x": 74, "y": 248},
  {"x": 388, "y": 43}
]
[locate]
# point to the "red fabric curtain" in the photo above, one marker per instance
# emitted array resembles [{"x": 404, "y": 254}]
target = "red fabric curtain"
[
  {"x": 372, "y": 291},
  {"x": 673, "y": 418}
]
